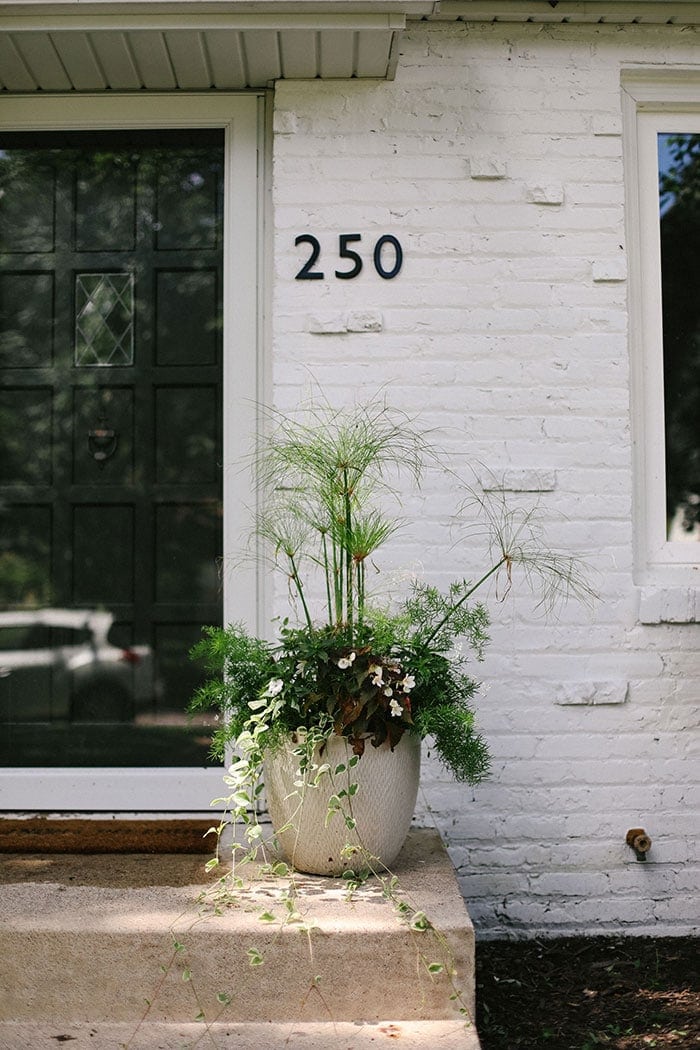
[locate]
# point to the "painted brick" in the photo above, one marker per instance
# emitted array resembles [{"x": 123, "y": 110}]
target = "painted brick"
[{"x": 496, "y": 157}]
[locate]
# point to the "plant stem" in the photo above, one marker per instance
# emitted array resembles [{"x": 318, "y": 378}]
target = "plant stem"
[
  {"x": 337, "y": 584},
  {"x": 453, "y": 609},
  {"x": 300, "y": 589},
  {"x": 327, "y": 571},
  {"x": 360, "y": 587},
  {"x": 348, "y": 551}
]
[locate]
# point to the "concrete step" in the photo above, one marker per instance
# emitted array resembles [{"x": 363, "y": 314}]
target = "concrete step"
[
  {"x": 409, "y": 1035},
  {"x": 88, "y": 940}
]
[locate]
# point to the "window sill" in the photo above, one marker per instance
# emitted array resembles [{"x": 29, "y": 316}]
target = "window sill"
[{"x": 669, "y": 605}]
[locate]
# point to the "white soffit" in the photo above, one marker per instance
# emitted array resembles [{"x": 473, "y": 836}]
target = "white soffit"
[{"x": 227, "y": 45}]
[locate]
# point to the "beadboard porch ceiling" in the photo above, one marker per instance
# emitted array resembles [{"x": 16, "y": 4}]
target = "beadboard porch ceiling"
[
  {"x": 232, "y": 45},
  {"x": 226, "y": 45}
]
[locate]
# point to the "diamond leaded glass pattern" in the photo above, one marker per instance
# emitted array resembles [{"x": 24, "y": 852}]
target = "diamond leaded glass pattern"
[{"x": 104, "y": 319}]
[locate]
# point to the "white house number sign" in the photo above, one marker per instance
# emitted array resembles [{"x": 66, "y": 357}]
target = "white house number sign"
[{"x": 387, "y": 257}]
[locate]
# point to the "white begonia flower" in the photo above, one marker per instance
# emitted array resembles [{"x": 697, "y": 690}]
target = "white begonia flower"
[
  {"x": 388, "y": 691},
  {"x": 408, "y": 683},
  {"x": 395, "y": 708},
  {"x": 274, "y": 686},
  {"x": 376, "y": 671},
  {"x": 346, "y": 661}
]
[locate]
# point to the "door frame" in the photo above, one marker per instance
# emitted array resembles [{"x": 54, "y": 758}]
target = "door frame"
[{"x": 240, "y": 115}]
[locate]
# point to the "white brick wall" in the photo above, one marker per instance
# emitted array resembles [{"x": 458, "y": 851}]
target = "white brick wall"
[{"x": 496, "y": 158}]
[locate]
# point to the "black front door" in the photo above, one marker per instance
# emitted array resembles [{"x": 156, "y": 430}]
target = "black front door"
[{"x": 110, "y": 442}]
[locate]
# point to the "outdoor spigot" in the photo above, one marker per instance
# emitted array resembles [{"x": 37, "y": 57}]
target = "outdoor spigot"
[{"x": 638, "y": 840}]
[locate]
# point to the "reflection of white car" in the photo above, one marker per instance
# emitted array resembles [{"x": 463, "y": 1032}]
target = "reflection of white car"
[{"x": 60, "y": 664}]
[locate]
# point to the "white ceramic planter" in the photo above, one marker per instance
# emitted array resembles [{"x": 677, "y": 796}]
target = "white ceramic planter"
[{"x": 382, "y": 807}]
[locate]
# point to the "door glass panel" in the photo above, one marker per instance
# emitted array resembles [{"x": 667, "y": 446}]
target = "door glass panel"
[
  {"x": 110, "y": 442},
  {"x": 105, "y": 201},
  {"x": 187, "y": 205},
  {"x": 104, "y": 319},
  {"x": 25, "y": 429},
  {"x": 27, "y": 191},
  {"x": 188, "y": 536},
  {"x": 188, "y": 329},
  {"x": 186, "y": 434},
  {"x": 25, "y": 562},
  {"x": 26, "y": 319}
]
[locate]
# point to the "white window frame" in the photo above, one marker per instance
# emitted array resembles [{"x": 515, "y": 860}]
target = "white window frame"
[
  {"x": 654, "y": 101},
  {"x": 175, "y": 789}
]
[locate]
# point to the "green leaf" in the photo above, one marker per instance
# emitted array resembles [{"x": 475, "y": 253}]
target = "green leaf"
[
  {"x": 420, "y": 922},
  {"x": 240, "y": 798},
  {"x": 187, "y": 975},
  {"x": 224, "y": 998},
  {"x": 436, "y": 968},
  {"x": 267, "y": 916},
  {"x": 254, "y": 957}
]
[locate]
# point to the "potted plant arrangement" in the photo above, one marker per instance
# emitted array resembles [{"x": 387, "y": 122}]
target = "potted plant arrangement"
[{"x": 329, "y": 716}]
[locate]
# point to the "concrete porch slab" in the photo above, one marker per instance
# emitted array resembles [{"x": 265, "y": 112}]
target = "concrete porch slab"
[
  {"x": 86, "y": 940},
  {"x": 409, "y": 1035}
]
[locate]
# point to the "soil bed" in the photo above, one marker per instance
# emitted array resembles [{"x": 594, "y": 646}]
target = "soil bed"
[{"x": 587, "y": 992}]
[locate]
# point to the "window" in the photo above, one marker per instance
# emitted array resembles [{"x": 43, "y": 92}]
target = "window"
[{"x": 662, "y": 139}]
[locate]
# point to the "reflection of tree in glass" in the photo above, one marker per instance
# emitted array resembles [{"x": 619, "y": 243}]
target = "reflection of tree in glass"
[
  {"x": 146, "y": 204},
  {"x": 23, "y": 582},
  {"x": 679, "y": 187},
  {"x": 26, "y": 201},
  {"x": 178, "y": 189}
]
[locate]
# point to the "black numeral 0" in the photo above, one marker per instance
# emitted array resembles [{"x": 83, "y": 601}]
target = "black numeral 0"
[
  {"x": 388, "y": 238},
  {"x": 307, "y": 272}
]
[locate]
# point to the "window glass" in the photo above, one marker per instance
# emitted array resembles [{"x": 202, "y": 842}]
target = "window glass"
[
  {"x": 679, "y": 217},
  {"x": 111, "y": 430}
]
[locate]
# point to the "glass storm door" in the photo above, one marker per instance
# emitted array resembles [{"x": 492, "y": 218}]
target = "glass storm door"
[{"x": 110, "y": 442}]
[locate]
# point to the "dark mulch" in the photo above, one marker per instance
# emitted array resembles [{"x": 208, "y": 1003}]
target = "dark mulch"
[{"x": 582, "y": 993}]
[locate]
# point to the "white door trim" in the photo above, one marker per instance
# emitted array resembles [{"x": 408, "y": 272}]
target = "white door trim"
[{"x": 173, "y": 789}]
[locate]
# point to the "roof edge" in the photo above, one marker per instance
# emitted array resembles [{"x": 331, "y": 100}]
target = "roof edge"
[{"x": 613, "y": 12}]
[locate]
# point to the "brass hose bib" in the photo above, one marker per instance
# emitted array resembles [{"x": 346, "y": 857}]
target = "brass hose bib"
[{"x": 638, "y": 840}]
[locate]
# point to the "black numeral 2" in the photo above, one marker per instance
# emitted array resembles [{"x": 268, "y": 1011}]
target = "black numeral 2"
[{"x": 307, "y": 272}]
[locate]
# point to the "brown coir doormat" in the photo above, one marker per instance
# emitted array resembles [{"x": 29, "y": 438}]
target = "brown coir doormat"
[{"x": 46, "y": 835}]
